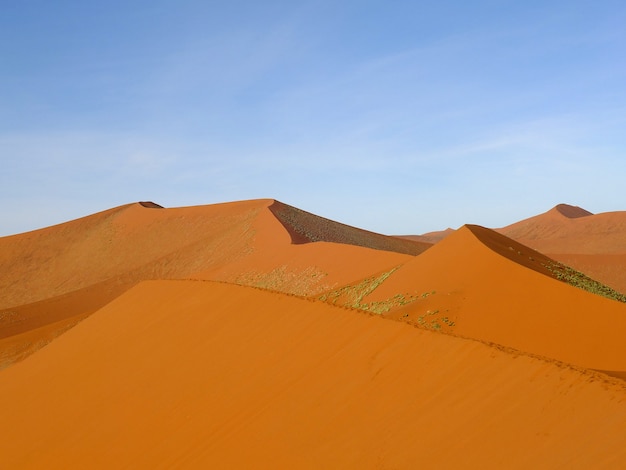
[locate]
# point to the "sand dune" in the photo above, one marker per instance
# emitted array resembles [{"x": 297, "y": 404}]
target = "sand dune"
[
  {"x": 479, "y": 284},
  {"x": 52, "y": 277},
  {"x": 143, "y": 241},
  {"x": 592, "y": 243},
  {"x": 305, "y": 227},
  {"x": 311, "y": 267},
  {"x": 72, "y": 269},
  {"x": 202, "y": 375},
  {"x": 26, "y": 328},
  {"x": 206, "y": 337},
  {"x": 132, "y": 242},
  {"x": 569, "y": 229},
  {"x": 430, "y": 237}
]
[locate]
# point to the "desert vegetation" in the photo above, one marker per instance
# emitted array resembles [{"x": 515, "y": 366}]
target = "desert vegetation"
[{"x": 582, "y": 281}]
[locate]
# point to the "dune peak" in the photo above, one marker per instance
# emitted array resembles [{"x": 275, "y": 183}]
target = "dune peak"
[
  {"x": 150, "y": 205},
  {"x": 571, "y": 212}
]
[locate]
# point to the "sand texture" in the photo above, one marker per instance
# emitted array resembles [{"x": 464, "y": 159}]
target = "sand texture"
[{"x": 253, "y": 334}]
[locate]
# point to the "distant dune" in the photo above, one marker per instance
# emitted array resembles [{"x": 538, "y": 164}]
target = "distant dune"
[
  {"x": 253, "y": 334},
  {"x": 569, "y": 229},
  {"x": 479, "y": 284},
  {"x": 592, "y": 243},
  {"x": 430, "y": 237}
]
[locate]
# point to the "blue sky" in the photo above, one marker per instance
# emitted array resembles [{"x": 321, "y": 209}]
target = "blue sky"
[{"x": 397, "y": 117}]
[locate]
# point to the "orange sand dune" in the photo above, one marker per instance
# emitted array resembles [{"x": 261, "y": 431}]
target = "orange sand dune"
[
  {"x": 18, "y": 346},
  {"x": 308, "y": 268},
  {"x": 430, "y": 237},
  {"x": 569, "y": 229},
  {"x": 26, "y": 328},
  {"x": 147, "y": 242},
  {"x": 593, "y": 244},
  {"x": 202, "y": 375},
  {"x": 53, "y": 277},
  {"x": 143, "y": 241},
  {"x": 72, "y": 269},
  {"x": 84, "y": 301},
  {"x": 479, "y": 284}
]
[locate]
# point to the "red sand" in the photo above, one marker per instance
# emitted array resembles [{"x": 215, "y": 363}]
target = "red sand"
[
  {"x": 72, "y": 269},
  {"x": 430, "y": 237},
  {"x": 201, "y": 375},
  {"x": 184, "y": 373},
  {"x": 133, "y": 243},
  {"x": 586, "y": 233},
  {"x": 591, "y": 243},
  {"x": 490, "y": 294}
]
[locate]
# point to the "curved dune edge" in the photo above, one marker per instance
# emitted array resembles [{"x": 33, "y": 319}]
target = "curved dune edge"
[
  {"x": 74, "y": 268},
  {"x": 203, "y": 375},
  {"x": 572, "y": 212},
  {"x": 304, "y": 227},
  {"x": 240, "y": 242},
  {"x": 247, "y": 243},
  {"x": 594, "y": 244},
  {"x": 27, "y": 328},
  {"x": 470, "y": 286},
  {"x": 308, "y": 269}
]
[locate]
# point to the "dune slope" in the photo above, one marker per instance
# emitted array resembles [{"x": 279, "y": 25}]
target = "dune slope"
[
  {"x": 130, "y": 243},
  {"x": 144, "y": 241},
  {"x": 591, "y": 243},
  {"x": 202, "y": 375},
  {"x": 53, "y": 277},
  {"x": 305, "y": 227},
  {"x": 480, "y": 284}
]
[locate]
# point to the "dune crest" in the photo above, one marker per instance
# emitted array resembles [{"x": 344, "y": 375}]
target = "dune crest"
[
  {"x": 572, "y": 212},
  {"x": 241, "y": 242},
  {"x": 150, "y": 205},
  {"x": 479, "y": 284},
  {"x": 304, "y": 227}
]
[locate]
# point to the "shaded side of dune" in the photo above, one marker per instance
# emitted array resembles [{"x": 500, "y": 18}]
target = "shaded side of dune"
[
  {"x": 572, "y": 212},
  {"x": 27, "y": 328},
  {"x": 541, "y": 263},
  {"x": 479, "y": 284},
  {"x": 305, "y": 227}
]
